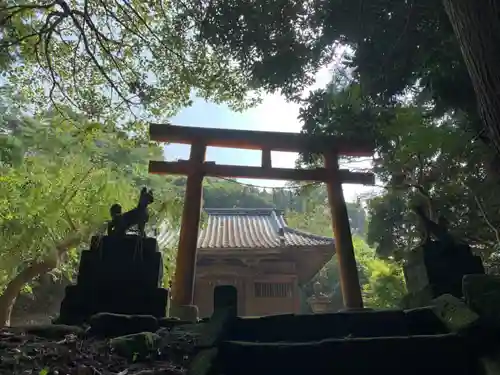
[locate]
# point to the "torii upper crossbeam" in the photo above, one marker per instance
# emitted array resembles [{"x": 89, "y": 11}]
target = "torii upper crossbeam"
[{"x": 196, "y": 168}]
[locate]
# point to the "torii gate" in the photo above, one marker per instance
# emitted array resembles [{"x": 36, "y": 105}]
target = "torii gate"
[{"x": 196, "y": 168}]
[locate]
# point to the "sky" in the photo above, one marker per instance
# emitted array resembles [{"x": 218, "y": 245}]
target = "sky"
[{"x": 273, "y": 114}]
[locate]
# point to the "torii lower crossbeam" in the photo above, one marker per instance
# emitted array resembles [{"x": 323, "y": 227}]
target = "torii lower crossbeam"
[{"x": 196, "y": 168}]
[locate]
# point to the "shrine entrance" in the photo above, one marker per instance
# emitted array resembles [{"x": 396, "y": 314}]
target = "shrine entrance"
[{"x": 196, "y": 168}]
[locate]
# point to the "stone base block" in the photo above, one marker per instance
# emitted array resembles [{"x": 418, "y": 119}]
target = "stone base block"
[
  {"x": 80, "y": 303},
  {"x": 96, "y": 269}
]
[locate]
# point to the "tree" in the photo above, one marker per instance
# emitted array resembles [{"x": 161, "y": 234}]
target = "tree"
[
  {"x": 315, "y": 215},
  {"x": 382, "y": 280},
  {"x": 58, "y": 206},
  {"x": 225, "y": 194},
  {"x": 385, "y": 285},
  {"x": 476, "y": 25},
  {"x": 419, "y": 160},
  {"x": 399, "y": 47},
  {"x": 60, "y": 192},
  {"x": 130, "y": 55}
]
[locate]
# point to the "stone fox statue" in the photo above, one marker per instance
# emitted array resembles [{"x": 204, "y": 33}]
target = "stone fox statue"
[
  {"x": 439, "y": 230},
  {"x": 121, "y": 222}
]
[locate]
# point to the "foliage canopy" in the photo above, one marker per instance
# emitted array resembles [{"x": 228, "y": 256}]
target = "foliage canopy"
[{"x": 133, "y": 56}]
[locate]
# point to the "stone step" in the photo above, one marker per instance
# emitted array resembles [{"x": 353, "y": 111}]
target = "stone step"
[
  {"x": 369, "y": 323},
  {"x": 435, "y": 354}
]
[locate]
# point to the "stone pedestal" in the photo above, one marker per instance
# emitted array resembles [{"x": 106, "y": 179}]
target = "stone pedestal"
[
  {"x": 117, "y": 275},
  {"x": 320, "y": 304},
  {"x": 434, "y": 269}
]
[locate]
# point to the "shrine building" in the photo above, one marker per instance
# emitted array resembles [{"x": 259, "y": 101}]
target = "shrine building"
[{"x": 256, "y": 251}]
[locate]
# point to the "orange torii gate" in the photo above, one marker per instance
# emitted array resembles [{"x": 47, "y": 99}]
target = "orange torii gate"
[{"x": 196, "y": 168}]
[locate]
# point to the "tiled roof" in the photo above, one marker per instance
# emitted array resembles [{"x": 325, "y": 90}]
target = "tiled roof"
[{"x": 253, "y": 228}]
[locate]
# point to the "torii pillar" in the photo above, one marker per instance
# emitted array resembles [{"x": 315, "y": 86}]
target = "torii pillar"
[
  {"x": 349, "y": 278},
  {"x": 185, "y": 271}
]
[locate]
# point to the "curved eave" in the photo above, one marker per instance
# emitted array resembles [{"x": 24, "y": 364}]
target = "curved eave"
[{"x": 263, "y": 250}]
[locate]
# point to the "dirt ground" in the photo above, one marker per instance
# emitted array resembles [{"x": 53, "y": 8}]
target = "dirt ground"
[{"x": 26, "y": 353}]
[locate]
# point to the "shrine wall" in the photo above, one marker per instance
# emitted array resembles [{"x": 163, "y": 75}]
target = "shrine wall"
[{"x": 261, "y": 290}]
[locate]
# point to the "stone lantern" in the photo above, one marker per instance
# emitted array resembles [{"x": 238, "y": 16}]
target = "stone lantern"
[{"x": 319, "y": 302}]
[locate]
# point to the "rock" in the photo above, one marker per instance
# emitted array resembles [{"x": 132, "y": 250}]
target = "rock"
[
  {"x": 482, "y": 294},
  {"x": 84, "y": 370},
  {"x": 491, "y": 363},
  {"x": 52, "y": 331},
  {"x": 172, "y": 322},
  {"x": 136, "y": 346},
  {"x": 454, "y": 313},
  {"x": 217, "y": 327},
  {"x": 112, "y": 325},
  {"x": 169, "y": 318},
  {"x": 186, "y": 333},
  {"x": 182, "y": 336},
  {"x": 202, "y": 362}
]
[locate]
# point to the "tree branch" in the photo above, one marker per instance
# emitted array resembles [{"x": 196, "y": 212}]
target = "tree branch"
[
  {"x": 20, "y": 9},
  {"x": 485, "y": 217}
]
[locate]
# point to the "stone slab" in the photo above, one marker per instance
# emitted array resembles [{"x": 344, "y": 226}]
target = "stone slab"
[
  {"x": 454, "y": 313},
  {"x": 424, "y": 321},
  {"x": 314, "y": 327},
  {"x": 436, "y": 354}
]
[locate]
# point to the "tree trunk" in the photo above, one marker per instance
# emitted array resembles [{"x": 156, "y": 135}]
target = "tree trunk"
[
  {"x": 476, "y": 25},
  {"x": 8, "y": 298}
]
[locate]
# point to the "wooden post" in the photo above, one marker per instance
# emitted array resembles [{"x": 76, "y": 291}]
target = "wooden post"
[
  {"x": 296, "y": 296},
  {"x": 266, "y": 159},
  {"x": 349, "y": 280},
  {"x": 188, "y": 238}
]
